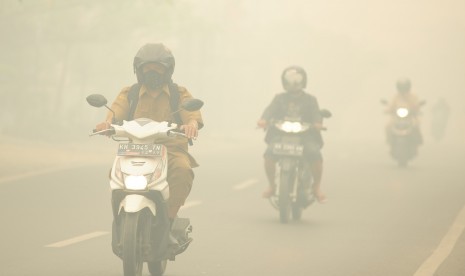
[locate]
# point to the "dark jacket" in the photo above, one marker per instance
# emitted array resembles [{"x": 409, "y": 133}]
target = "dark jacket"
[{"x": 301, "y": 107}]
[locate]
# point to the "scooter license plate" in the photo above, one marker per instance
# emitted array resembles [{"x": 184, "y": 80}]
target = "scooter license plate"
[
  {"x": 128, "y": 149},
  {"x": 288, "y": 149}
]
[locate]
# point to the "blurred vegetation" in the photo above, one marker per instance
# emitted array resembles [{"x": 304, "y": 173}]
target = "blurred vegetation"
[
  {"x": 230, "y": 53},
  {"x": 55, "y": 52}
]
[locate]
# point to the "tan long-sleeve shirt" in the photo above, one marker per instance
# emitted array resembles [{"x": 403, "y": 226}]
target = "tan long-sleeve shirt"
[{"x": 156, "y": 106}]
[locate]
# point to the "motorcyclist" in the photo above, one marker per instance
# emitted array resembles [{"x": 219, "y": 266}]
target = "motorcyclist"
[
  {"x": 405, "y": 99},
  {"x": 439, "y": 116},
  {"x": 294, "y": 103},
  {"x": 154, "y": 67}
]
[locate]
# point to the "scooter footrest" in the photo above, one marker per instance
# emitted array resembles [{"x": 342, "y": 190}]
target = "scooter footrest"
[
  {"x": 181, "y": 228},
  {"x": 178, "y": 249}
]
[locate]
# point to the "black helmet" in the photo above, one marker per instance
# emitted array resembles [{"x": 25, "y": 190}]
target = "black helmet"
[
  {"x": 294, "y": 78},
  {"x": 154, "y": 53},
  {"x": 403, "y": 85}
]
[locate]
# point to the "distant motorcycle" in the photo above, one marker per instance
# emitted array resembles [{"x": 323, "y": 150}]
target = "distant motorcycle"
[
  {"x": 439, "y": 117},
  {"x": 403, "y": 135},
  {"x": 139, "y": 192},
  {"x": 293, "y": 174}
]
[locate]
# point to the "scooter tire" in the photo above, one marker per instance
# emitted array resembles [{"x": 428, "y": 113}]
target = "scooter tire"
[
  {"x": 284, "y": 200},
  {"x": 157, "y": 268},
  {"x": 132, "y": 245},
  {"x": 296, "y": 211}
]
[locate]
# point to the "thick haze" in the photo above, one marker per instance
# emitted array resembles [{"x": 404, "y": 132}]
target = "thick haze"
[
  {"x": 231, "y": 53},
  {"x": 379, "y": 220}
]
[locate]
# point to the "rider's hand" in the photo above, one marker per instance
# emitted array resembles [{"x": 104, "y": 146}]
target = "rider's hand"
[
  {"x": 262, "y": 123},
  {"x": 103, "y": 126},
  {"x": 191, "y": 130},
  {"x": 318, "y": 126}
]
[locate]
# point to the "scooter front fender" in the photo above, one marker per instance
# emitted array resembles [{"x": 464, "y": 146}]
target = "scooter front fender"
[{"x": 135, "y": 203}]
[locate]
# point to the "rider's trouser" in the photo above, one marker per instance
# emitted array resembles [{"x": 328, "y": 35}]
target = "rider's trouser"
[{"x": 180, "y": 179}]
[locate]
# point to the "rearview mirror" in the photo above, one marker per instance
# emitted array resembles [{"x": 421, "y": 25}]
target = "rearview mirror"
[
  {"x": 325, "y": 113},
  {"x": 96, "y": 100},
  {"x": 192, "y": 104}
]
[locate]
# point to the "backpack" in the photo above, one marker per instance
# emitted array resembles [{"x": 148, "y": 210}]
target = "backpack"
[{"x": 133, "y": 99}]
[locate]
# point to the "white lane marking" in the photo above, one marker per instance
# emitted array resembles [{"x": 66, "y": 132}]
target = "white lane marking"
[
  {"x": 190, "y": 204},
  {"x": 33, "y": 173},
  {"x": 443, "y": 250},
  {"x": 77, "y": 239},
  {"x": 245, "y": 184}
]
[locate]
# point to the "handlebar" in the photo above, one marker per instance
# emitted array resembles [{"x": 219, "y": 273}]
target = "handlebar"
[
  {"x": 111, "y": 131},
  {"x": 108, "y": 131},
  {"x": 180, "y": 134}
]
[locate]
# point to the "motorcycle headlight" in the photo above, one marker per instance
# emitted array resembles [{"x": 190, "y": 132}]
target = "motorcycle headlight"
[
  {"x": 291, "y": 127},
  {"x": 402, "y": 112},
  {"x": 135, "y": 182}
]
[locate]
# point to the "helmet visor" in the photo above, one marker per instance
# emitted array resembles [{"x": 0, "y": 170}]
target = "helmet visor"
[
  {"x": 294, "y": 80},
  {"x": 293, "y": 77}
]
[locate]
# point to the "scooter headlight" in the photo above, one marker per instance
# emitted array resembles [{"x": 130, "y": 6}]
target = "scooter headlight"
[
  {"x": 291, "y": 127},
  {"x": 135, "y": 182},
  {"x": 402, "y": 112}
]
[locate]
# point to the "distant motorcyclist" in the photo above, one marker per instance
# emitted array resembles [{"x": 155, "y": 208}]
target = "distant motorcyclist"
[
  {"x": 405, "y": 99},
  {"x": 439, "y": 117},
  {"x": 156, "y": 98},
  {"x": 294, "y": 103}
]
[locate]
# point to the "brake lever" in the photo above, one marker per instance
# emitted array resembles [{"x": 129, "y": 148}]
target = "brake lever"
[
  {"x": 95, "y": 132},
  {"x": 177, "y": 133}
]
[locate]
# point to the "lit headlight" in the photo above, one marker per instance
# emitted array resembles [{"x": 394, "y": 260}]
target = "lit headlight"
[
  {"x": 135, "y": 182},
  {"x": 291, "y": 127},
  {"x": 402, "y": 112}
]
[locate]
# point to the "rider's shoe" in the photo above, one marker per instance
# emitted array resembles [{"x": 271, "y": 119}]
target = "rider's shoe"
[
  {"x": 269, "y": 192},
  {"x": 320, "y": 197}
]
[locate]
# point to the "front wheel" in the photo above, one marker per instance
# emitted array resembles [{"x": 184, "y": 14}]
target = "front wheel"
[
  {"x": 157, "y": 268},
  {"x": 132, "y": 245},
  {"x": 284, "y": 199}
]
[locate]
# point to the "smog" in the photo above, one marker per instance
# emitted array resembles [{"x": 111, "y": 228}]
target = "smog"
[{"x": 380, "y": 218}]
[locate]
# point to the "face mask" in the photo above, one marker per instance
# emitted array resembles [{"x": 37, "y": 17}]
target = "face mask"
[{"x": 153, "y": 79}]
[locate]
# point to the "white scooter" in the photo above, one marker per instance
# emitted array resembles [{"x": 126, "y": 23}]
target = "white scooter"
[{"x": 142, "y": 231}]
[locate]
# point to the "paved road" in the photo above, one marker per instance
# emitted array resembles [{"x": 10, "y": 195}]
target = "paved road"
[{"x": 379, "y": 221}]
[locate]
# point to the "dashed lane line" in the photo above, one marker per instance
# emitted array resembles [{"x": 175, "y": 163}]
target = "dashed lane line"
[
  {"x": 191, "y": 204},
  {"x": 97, "y": 234},
  {"x": 30, "y": 174},
  {"x": 77, "y": 239},
  {"x": 245, "y": 184}
]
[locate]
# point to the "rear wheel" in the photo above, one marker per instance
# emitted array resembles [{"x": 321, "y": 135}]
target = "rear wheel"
[
  {"x": 296, "y": 211},
  {"x": 132, "y": 245},
  {"x": 284, "y": 199},
  {"x": 403, "y": 154},
  {"x": 157, "y": 268},
  {"x": 402, "y": 163}
]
